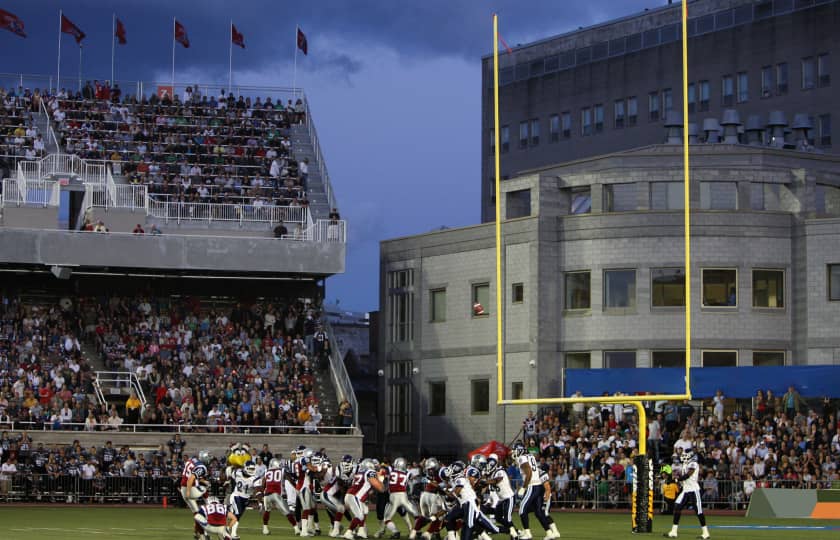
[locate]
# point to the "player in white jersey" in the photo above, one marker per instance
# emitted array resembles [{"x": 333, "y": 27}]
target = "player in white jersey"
[
  {"x": 533, "y": 493},
  {"x": 688, "y": 474},
  {"x": 245, "y": 483},
  {"x": 398, "y": 478},
  {"x": 468, "y": 510},
  {"x": 501, "y": 494},
  {"x": 431, "y": 502}
]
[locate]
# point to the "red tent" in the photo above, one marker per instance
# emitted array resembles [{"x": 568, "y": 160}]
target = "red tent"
[{"x": 493, "y": 447}]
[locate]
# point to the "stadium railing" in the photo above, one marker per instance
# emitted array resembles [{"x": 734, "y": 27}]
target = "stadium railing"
[
  {"x": 176, "y": 428},
  {"x": 341, "y": 379},
  {"x": 316, "y": 148}
]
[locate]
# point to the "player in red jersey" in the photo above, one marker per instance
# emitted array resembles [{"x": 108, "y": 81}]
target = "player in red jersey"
[
  {"x": 398, "y": 477},
  {"x": 276, "y": 496},
  {"x": 194, "y": 485},
  {"x": 213, "y": 518},
  {"x": 356, "y": 498}
]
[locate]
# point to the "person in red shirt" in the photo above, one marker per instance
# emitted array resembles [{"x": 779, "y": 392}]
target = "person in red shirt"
[{"x": 45, "y": 394}]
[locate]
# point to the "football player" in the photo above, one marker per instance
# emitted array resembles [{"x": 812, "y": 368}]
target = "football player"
[
  {"x": 688, "y": 475},
  {"x": 364, "y": 480},
  {"x": 277, "y": 495},
  {"x": 501, "y": 494},
  {"x": 431, "y": 502},
  {"x": 194, "y": 485},
  {"x": 245, "y": 482},
  {"x": 468, "y": 510},
  {"x": 213, "y": 518},
  {"x": 534, "y": 496},
  {"x": 331, "y": 492},
  {"x": 398, "y": 477}
]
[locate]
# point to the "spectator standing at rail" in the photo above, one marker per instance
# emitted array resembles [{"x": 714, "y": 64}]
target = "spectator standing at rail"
[{"x": 792, "y": 401}]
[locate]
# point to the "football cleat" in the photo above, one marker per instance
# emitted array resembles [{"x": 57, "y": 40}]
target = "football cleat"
[{"x": 265, "y": 530}]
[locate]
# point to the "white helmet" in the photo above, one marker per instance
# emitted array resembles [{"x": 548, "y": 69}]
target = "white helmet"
[
  {"x": 250, "y": 468},
  {"x": 400, "y": 464},
  {"x": 204, "y": 457},
  {"x": 212, "y": 500},
  {"x": 368, "y": 464},
  {"x": 275, "y": 464},
  {"x": 431, "y": 464}
]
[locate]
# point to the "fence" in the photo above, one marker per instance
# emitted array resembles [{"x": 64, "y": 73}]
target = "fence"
[
  {"x": 341, "y": 379},
  {"x": 177, "y": 428},
  {"x": 316, "y": 148},
  {"x": 328, "y": 230},
  {"x": 21, "y": 192},
  {"x": 182, "y": 211},
  {"x": 70, "y": 164},
  {"x": 102, "y": 488}
]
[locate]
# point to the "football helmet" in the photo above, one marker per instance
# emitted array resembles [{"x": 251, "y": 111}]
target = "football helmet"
[
  {"x": 368, "y": 464},
  {"x": 308, "y": 453},
  {"x": 212, "y": 500},
  {"x": 204, "y": 457},
  {"x": 297, "y": 452},
  {"x": 431, "y": 464},
  {"x": 688, "y": 456},
  {"x": 400, "y": 464},
  {"x": 457, "y": 468},
  {"x": 250, "y": 468},
  {"x": 492, "y": 463},
  {"x": 275, "y": 464},
  {"x": 479, "y": 461},
  {"x": 518, "y": 449},
  {"x": 445, "y": 474}
]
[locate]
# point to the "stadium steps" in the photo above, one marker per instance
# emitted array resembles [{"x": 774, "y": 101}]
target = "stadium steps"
[
  {"x": 43, "y": 127},
  {"x": 302, "y": 148},
  {"x": 327, "y": 396}
]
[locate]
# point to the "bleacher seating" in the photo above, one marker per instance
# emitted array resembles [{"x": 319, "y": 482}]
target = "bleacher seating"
[{"x": 19, "y": 136}]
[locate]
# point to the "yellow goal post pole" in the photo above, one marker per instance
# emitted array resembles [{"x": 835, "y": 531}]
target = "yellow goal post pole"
[{"x": 500, "y": 353}]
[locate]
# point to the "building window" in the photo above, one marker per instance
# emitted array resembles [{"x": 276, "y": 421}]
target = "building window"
[
  {"x": 720, "y": 287},
  {"x": 518, "y": 204},
  {"x": 581, "y": 200},
  {"x": 667, "y": 102},
  {"x": 653, "y": 106},
  {"x": 437, "y": 398},
  {"x": 809, "y": 69},
  {"x": 720, "y": 358},
  {"x": 554, "y": 128},
  {"x": 517, "y": 390},
  {"x": 823, "y": 70},
  {"x": 578, "y": 360},
  {"x": 666, "y": 196},
  {"x": 523, "y": 134},
  {"x": 743, "y": 87},
  {"x": 782, "y": 78},
  {"x": 399, "y": 406},
  {"x": 620, "y": 197},
  {"x": 727, "y": 91},
  {"x": 619, "y": 289},
  {"x": 668, "y": 359},
  {"x": 619, "y": 359},
  {"x": 535, "y": 132},
  {"x": 401, "y": 305},
  {"x": 705, "y": 94},
  {"x": 824, "y": 130},
  {"x": 566, "y": 124},
  {"x": 834, "y": 282},
  {"x": 718, "y": 195},
  {"x": 586, "y": 121},
  {"x": 505, "y": 139},
  {"x": 492, "y": 141},
  {"x": 599, "y": 118},
  {"x": 768, "y": 288},
  {"x": 765, "y": 196},
  {"x": 827, "y": 200},
  {"x": 632, "y": 111},
  {"x": 769, "y": 358},
  {"x": 618, "y": 114},
  {"x": 480, "y": 396},
  {"x": 578, "y": 290},
  {"x": 667, "y": 287},
  {"x": 767, "y": 82},
  {"x": 437, "y": 305},
  {"x": 517, "y": 293},
  {"x": 692, "y": 98},
  {"x": 480, "y": 299}
]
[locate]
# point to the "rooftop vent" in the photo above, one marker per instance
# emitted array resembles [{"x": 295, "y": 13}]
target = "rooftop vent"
[
  {"x": 730, "y": 122},
  {"x": 777, "y": 124},
  {"x": 712, "y": 130},
  {"x": 801, "y": 124},
  {"x": 674, "y": 125},
  {"x": 754, "y": 130},
  {"x": 692, "y": 133}
]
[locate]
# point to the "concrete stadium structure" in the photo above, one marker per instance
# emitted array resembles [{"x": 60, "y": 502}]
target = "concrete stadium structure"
[{"x": 593, "y": 251}]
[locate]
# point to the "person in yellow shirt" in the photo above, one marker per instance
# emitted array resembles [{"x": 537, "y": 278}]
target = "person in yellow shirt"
[
  {"x": 132, "y": 409},
  {"x": 669, "y": 490}
]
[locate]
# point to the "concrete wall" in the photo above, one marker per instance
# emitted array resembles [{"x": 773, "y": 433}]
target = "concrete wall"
[
  {"x": 29, "y": 217},
  {"x": 18, "y": 246},
  {"x": 217, "y": 444}
]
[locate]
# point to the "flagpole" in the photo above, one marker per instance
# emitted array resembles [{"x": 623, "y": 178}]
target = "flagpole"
[
  {"x": 80, "y": 67},
  {"x": 113, "y": 44},
  {"x": 58, "y": 74},
  {"x": 230, "y": 58},
  {"x": 173, "y": 57},
  {"x": 294, "y": 77}
]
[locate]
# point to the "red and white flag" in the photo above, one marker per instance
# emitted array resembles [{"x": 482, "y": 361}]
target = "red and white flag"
[
  {"x": 301, "y": 42},
  {"x": 68, "y": 27},
  {"x": 119, "y": 32},
  {"x": 236, "y": 36},
  {"x": 12, "y": 23},
  {"x": 181, "y": 35}
]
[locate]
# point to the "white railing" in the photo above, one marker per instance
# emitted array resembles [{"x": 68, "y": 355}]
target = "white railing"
[
  {"x": 24, "y": 192},
  {"x": 110, "y": 186},
  {"x": 17, "y": 425},
  {"x": 341, "y": 379},
  {"x": 116, "y": 381},
  {"x": 57, "y": 164},
  {"x": 316, "y": 148},
  {"x": 129, "y": 196},
  {"x": 242, "y": 213},
  {"x": 50, "y": 130},
  {"x": 11, "y": 192},
  {"x": 328, "y": 230}
]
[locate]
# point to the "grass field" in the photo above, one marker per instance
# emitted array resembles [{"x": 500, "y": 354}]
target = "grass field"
[{"x": 85, "y": 522}]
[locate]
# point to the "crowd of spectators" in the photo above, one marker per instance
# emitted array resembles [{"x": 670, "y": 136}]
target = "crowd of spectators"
[
  {"x": 784, "y": 442},
  {"x": 19, "y": 135},
  {"x": 107, "y": 473},
  {"x": 194, "y": 148}
]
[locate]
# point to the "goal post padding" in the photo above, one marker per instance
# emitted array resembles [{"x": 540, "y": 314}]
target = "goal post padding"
[{"x": 642, "y": 503}]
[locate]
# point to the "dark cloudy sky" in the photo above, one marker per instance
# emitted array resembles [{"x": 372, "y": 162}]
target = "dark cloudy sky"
[{"x": 394, "y": 86}]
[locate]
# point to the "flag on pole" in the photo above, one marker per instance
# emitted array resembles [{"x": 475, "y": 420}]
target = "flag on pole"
[
  {"x": 236, "y": 36},
  {"x": 507, "y": 48},
  {"x": 301, "y": 42},
  {"x": 12, "y": 23},
  {"x": 68, "y": 27},
  {"x": 181, "y": 35},
  {"x": 120, "y": 32}
]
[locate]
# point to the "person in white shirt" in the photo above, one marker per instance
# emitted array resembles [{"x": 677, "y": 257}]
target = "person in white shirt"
[
  {"x": 7, "y": 471},
  {"x": 718, "y": 406}
]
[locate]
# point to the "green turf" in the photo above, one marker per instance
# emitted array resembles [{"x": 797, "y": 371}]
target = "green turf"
[{"x": 87, "y": 522}]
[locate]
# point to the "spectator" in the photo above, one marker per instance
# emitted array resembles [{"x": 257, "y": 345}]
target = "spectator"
[
  {"x": 792, "y": 401},
  {"x": 132, "y": 408},
  {"x": 155, "y": 231},
  {"x": 114, "y": 421},
  {"x": 718, "y": 400},
  {"x": 138, "y": 229},
  {"x": 100, "y": 227}
]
